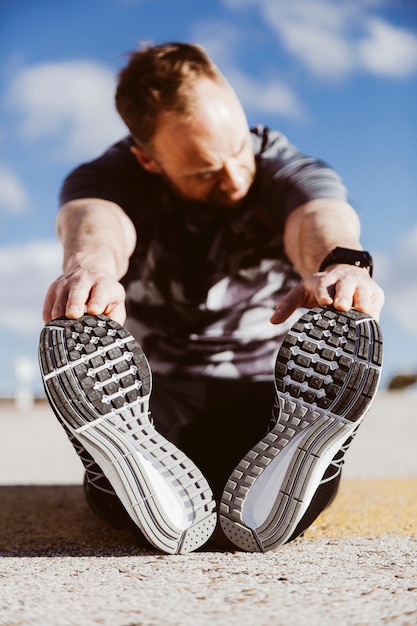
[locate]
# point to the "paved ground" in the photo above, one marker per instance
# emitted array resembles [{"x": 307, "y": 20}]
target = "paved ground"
[{"x": 61, "y": 566}]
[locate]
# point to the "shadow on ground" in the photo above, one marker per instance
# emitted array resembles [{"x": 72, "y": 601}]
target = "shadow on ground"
[{"x": 56, "y": 521}]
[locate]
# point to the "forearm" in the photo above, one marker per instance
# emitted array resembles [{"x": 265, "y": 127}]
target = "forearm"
[
  {"x": 315, "y": 228},
  {"x": 98, "y": 240},
  {"x": 96, "y": 234}
]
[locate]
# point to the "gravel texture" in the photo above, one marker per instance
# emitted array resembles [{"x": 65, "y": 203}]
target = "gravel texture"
[{"x": 62, "y": 566}]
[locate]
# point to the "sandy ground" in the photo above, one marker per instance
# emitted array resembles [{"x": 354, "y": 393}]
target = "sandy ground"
[{"x": 61, "y": 566}]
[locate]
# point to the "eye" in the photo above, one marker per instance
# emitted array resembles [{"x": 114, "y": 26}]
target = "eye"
[{"x": 205, "y": 176}]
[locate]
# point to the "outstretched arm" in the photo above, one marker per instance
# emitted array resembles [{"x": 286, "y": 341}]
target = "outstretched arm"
[
  {"x": 312, "y": 231},
  {"x": 98, "y": 239}
]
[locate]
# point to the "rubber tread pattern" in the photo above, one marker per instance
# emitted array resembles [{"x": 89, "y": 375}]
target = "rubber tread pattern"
[
  {"x": 326, "y": 376},
  {"x": 98, "y": 383}
]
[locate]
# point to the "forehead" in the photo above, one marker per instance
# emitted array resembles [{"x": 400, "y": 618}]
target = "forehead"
[{"x": 212, "y": 131}]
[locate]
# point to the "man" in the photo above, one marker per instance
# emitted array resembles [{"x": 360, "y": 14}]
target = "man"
[{"x": 198, "y": 228}]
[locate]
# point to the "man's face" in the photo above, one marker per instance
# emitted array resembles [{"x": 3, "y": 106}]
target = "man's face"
[{"x": 206, "y": 156}]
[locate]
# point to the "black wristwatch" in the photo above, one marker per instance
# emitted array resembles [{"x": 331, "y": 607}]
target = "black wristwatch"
[{"x": 360, "y": 258}]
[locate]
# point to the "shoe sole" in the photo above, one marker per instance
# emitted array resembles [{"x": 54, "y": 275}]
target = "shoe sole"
[
  {"x": 326, "y": 376},
  {"x": 98, "y": 383}
]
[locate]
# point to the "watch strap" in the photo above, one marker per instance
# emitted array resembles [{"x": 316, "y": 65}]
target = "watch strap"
[{"x": 360, "y": 258}]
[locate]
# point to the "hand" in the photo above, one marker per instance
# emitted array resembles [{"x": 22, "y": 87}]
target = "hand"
[
  {"x": 80, "y": 291},
  {"x": 341, "y": 286}
]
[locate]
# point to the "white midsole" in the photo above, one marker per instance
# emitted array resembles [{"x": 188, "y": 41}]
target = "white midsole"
[
  {"x": 262, "y": 496},
  {"x": 165, "y": 488}
]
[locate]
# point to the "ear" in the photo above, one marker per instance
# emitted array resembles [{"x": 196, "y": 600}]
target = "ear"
[{"x": 145, "y": 160}]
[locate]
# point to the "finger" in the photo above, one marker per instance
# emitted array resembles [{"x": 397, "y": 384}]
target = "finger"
[
  {"x": 117, "y": 312},
  {"x": 351, "y": 292},
  {"x": 77, "y": 300},
  {"x": 48, "y": 305},
  {"x": 344, "y": 296},
  {"x": 55, "y": 302},
  {"x": 99, "y": 298},
  {"x": 324, "y": 292},
  {"x": 369, "y": 301},
  {"x": 105, "y": 297},
  {"x": 288, "y": 304}
]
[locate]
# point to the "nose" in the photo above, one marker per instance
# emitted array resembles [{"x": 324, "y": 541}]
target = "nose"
[{"x": 232, "y": 177}]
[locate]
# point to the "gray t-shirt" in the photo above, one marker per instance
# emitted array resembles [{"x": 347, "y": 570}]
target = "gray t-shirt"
[{"x": 204, "y": 280}]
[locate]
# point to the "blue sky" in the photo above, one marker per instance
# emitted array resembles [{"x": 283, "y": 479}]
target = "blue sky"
[{"x": 338, "y": 77}]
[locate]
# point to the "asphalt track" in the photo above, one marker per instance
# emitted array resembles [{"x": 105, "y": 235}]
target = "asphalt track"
[{"x": 61, "y": 566}]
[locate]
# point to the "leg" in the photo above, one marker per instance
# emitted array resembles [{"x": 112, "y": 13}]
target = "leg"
[
  {"x": 213, "y": 421},
  {"x": 235, "y": 416},
  {"x": 220, "y": 420}
]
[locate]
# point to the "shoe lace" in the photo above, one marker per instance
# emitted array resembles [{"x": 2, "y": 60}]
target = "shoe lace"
[
  {"x": 274, "y": 417},
  {"x": 335, "y": 466},
  {"x": 94, "y": 473}
]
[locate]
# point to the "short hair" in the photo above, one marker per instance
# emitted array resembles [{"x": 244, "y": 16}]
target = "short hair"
[{"x": 160, "y": 78}]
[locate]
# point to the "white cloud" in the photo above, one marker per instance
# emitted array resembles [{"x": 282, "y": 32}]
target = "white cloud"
[
  {"x": 219, "y": 39},
  {"x": 26, "y": 271},
  {"x": 69, "y": 102},
  {"x": 388, "y": 50},
  {"x": 266, "y": 94},
  {"x": 313, "y": 31},
  {"x": 13, "y": 198},
  {"x": 332, "y": 39},
  {"x": 397, "y": 276},
  {"x": 269, "y": 95}
]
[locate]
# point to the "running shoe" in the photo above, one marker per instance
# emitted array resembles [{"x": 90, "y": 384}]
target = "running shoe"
[
  {"x": 98, "y": 383},
  {"x": 326, "y": 376}
]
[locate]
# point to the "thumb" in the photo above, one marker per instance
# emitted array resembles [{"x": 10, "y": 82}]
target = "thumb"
[{"x": 287, "y": 305}]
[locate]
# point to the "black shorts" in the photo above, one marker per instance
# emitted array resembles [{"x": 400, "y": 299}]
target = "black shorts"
[{"x": 214, "y": 421}]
